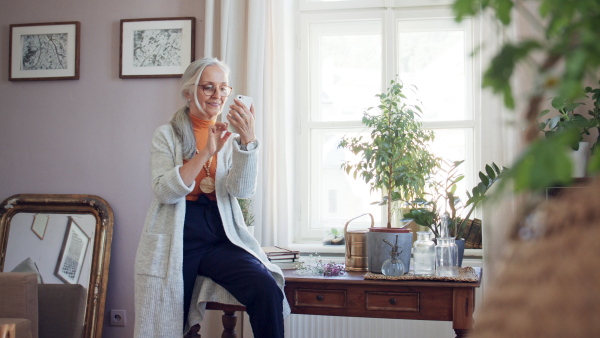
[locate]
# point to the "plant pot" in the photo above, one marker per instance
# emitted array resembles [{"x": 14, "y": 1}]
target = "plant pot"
[
  {"x": 579, "y": 158},
  {"x": 378, "y": 251},
  {"x": 333, "y": 236},
  {"x": 460, "y": 244}
]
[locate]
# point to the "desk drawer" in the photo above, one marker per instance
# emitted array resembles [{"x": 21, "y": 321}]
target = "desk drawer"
[
  {"x": 390, "y": 301},
  {"x": 320, "y": 298}
]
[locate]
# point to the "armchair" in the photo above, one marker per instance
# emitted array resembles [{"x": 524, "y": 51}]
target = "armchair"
[
  {"x": 19, "y": 302},
  {"x": 41, "y": 310}
]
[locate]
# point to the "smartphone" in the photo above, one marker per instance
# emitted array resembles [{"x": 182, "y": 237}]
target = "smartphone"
[{"x": 246, "y": 100}]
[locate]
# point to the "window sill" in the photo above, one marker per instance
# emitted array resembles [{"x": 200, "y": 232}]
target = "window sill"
[
  {"x": 317, "y": 248},
  {"x": 473, "y": 253},
  {"x": 336, "y": 250}
]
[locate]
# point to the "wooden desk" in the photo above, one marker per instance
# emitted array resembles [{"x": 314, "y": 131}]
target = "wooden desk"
[{"x": 352, "y": 296}]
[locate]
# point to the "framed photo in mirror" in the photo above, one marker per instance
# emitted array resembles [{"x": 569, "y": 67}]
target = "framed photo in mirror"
[
  {"x": 44, "y": 51},
  {"x": 72, "y": 254},
  {"x": 155, "y": 48},
  {"x": 40, "y": 222}
]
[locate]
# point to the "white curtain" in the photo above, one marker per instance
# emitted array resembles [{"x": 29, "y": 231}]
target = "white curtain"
[{"x": 248, "y": 36}]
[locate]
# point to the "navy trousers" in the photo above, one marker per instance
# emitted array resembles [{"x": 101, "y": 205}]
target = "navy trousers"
[{"x": 208, "y": 252}]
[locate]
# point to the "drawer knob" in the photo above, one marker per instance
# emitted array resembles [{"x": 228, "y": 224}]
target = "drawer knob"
[
  {"x": 320, "y": 297},
  {"x": 392, "y": 301}
]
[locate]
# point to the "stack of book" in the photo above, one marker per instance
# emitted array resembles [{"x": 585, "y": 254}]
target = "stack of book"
[
  {"x": 281, "y": 256},
  {"x": 472, "y": 234}
]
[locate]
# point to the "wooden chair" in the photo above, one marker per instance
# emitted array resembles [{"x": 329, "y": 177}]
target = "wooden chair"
[{"x": 229, "y": 320}]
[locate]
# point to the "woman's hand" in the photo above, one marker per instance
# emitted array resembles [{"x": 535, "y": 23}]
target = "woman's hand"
[
  {"x": 217, "y": 136},
  {"x": 242, "y": 118}
]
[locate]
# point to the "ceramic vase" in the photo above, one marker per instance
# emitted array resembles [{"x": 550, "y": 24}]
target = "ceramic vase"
[{"x": 580, "y": 159}]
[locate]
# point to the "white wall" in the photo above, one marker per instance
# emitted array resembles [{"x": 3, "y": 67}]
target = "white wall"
[{"x": 92, "y": 135}]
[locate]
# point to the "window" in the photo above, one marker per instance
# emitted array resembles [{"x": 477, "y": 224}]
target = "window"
[{"x": 348, "y": 53}]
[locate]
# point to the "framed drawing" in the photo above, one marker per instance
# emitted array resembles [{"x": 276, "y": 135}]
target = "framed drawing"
[
  {"x": 72, "y": 253},
  {"x": 154, "y": 48},
  {"x": 44, "y": 51},
  {"x": 40, "y": 222}
]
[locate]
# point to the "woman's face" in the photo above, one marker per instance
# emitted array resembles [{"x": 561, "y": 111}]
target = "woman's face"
[{"x": 210, "y": 106}]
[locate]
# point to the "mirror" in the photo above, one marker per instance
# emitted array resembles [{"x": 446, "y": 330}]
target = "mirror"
[{"x": 67, "y": 238}]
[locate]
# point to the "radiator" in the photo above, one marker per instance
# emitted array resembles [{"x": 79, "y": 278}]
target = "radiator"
[{"x": 308, "y": 326}]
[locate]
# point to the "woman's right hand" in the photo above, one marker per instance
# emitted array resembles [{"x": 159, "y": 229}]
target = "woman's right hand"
[{"x": 217, "y": 137}]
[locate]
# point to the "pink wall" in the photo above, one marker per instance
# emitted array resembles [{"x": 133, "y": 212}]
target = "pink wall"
[{"x": 92, "y": 135}]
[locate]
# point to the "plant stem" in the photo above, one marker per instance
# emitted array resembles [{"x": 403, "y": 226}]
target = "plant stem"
[{"x": 389, "y": 192}]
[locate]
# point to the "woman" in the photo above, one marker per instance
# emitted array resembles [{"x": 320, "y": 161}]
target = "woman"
[{"x": 195, "y": 246}]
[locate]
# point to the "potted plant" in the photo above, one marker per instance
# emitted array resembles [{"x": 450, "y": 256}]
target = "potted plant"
[
  {"x": 442, "y": 198},
  {"x": 566, "y": 119},
  {"x": 247, "y": 212},
  {"x": 334, "y": 236},
  {"x": 395, "y": 159},
  {"x": 577, "y": 125},
  {"x": 594, "y": 113}
]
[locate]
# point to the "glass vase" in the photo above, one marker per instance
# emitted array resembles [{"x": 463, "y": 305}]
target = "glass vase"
[
  {"x": 393, "y": 266},
  {"x": 424, "y": 254},
  {"x": 446, "y": 257}
]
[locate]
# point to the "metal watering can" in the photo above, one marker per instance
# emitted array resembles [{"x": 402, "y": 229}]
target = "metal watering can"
[{"x": 356, "y": 246}]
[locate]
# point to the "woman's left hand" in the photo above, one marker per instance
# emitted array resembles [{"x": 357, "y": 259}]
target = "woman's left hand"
[{"x": 242, "y": 118}]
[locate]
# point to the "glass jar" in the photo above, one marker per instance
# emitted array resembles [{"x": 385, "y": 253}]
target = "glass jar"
[
  {"x": 424, "y": 254},
  {"x": 393, "y": 266},
  {"x": 446, "y": 257}
]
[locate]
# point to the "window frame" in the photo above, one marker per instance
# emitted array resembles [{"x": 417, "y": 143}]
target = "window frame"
[
  {"x": 319, "y": 12},
  {"x": 302, "y": 234}
]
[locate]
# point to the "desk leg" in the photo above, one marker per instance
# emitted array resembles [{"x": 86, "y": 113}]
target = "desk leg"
[
  {"x": 229, "y": 320},
  {"x": 463, "y": 306}
]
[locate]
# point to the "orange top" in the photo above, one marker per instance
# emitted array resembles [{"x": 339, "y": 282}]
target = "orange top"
[{"x": 201, "y": 133}]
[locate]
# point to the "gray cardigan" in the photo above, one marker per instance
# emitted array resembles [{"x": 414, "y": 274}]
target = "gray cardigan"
[{"x": 159, "y": 259}]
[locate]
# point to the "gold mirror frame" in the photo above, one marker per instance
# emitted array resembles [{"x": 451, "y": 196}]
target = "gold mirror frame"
[{"x": 71, "y": 204}]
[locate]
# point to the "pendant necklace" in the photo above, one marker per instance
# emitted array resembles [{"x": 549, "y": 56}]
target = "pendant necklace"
[{"x": 207, "y": 184}]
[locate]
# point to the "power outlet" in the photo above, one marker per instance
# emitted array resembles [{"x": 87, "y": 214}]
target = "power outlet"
[{"x": 117, "y": 317}]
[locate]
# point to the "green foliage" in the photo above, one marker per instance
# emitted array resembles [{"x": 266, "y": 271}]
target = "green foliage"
[
  {"x": 397, "y": 158},
  {"x": 502, "y": 8},
  {"x": 569, "y": 52},
  {"x": 443, "y": 198},
  {"x": 571, "y": 35},
  {"x": 546, "y": 162},
  {"x": 246, "y": 206},
  {"x": 595, "y": 117},
  {"x": 497, "y": 77},
  {"x": 566, "y": 119},
  {"x": 335, "y": 232}
]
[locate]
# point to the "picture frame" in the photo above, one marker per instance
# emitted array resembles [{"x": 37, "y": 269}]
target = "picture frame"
[
  {"x": 156, "y": 47},
  {"x": 44, "y": 51},
  {"x": 40, "y": 222},
  {"x": 72, "y": 253}
]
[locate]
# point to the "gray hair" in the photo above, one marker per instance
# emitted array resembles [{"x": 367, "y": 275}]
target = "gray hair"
[{"x": 181, "y": 122}]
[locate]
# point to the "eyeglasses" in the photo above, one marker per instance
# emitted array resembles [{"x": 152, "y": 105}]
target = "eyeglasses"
[{"x": 210, "y": 89}]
